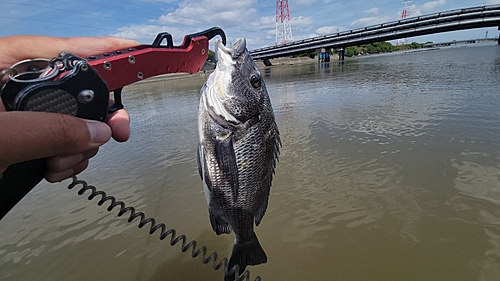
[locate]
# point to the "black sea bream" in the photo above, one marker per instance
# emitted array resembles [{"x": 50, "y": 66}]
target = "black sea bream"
[{"x": 238, "y": 149}]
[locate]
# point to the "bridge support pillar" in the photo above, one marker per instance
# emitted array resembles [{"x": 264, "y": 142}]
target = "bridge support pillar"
[
  {"x": 341, "y": 54},
  {"x": 267, "y": 62},
  {"x": 498, "y": 35},
  {"x": 324, "y": 54}
]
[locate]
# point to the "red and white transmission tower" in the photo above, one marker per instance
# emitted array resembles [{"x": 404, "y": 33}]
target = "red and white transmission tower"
[
  {"x": 403, "y": 16},
  {"x": 283, "y": 24}
]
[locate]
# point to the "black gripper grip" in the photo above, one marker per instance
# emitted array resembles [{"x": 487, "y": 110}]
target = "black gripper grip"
[
  {"x": 81, "y": 93},
  {"x": 17, "y": 181}
]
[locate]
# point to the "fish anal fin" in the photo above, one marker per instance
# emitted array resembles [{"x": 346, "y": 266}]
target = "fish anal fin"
[
  {"x": 261, "y": 211},
  {"x": 263, "y": 198},
  {"x": 219, "y": 225},
  {"x": 226, "y": 158}
]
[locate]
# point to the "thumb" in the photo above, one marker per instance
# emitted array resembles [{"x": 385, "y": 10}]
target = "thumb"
[{"x": 31, "y": 135}]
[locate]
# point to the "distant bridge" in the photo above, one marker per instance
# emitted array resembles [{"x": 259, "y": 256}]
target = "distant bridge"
[
  {"x": 460, "y": 19},
  {"x": 461, "y": 42}
]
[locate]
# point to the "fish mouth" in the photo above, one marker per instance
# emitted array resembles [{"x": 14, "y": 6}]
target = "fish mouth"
[
  {"x": 228, "y": 55},
  {"x": 220, "y": 89}
]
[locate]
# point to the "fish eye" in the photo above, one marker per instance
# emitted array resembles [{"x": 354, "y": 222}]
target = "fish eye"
[{"x": 255, "y": 80}]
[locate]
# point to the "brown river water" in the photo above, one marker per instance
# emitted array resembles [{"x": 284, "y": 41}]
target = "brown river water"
[{"x": 390, "y": 170}]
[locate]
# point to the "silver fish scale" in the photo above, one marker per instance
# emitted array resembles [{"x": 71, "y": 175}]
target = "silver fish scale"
[
  {"x": 257, "y": 159},
  {"x": 250, "y": 153}
]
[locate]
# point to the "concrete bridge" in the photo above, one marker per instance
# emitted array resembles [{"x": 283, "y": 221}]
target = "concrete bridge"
[
  {"x": 460, "y": 19},
  {"x": 461, "y": 42}
]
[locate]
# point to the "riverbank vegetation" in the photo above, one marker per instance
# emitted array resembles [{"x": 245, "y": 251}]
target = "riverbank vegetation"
[
  {"x": 380, "y": 47},
  {"x": 211, "y": 56},
  {"x": 372, "y": 48}
]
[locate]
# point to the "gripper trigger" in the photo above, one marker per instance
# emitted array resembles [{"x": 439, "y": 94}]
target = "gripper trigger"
[{"x": 117, "y": 105}]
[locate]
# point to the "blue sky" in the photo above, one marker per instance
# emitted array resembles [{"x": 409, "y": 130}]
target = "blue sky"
[{"x": 254, "y": 19}]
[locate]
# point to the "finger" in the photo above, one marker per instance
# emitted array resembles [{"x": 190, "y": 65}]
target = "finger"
[
  {"x": 62, "y": 162},
  {"x": 119, "y": 122},
  {"x": 34, "y": 46},
  {"x": 32, "y": 135},
  {"x": 52, "y": 176},
  {"x": 86, "y": 46}
]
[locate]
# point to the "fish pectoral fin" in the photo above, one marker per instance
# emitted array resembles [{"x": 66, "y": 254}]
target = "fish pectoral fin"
[
  {"x": 202, "y": 170},
  {"x": 200, "y": 160},
  {"x": 226, "y": 158},
  {"x": 219, "y": 225}
]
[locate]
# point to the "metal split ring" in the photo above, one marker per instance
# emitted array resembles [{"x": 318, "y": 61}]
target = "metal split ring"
[
  {"x": 33, "y": 70},
  {"x": 6, "y": 74},
  {"x": 8, "y": 71}
]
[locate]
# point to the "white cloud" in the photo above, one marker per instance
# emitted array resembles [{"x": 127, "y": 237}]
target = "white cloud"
[
  {"x": 305, "y": 2},
  {"x": 328, "y": 29},
  {"x": 430, "y": 6},
  {"x": 370, "y": 21},
  {"x": 211, "y": 11},
  {"x": 412, "y": 11},
  {"x": 265, "y": 23},
  {"x": 158, "y": 1},
  {"x": 372, "y": 11},
  {"x": 301, "y": 23},
  {"x": 426, "y": 8},
  {"x": 489, "y": 2},
  {"x": 236, "y": 18},
  {"x": 146, "y": 33}
]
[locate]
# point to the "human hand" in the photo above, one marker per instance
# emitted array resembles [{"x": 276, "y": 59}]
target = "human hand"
[{"x": 66, "y": 141}]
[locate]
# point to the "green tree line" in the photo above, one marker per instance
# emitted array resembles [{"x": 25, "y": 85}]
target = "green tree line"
[
  {"x": 379, "y": 47},
  {"x": 211, "y": 56}
]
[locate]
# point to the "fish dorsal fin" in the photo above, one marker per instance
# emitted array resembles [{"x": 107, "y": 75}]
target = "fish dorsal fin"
[
  {"x": 226, "y": 158},
  {"x": 239, "y": 47}
]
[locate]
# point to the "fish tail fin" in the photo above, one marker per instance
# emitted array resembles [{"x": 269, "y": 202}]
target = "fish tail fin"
[{"x": 246, "y": 253}]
